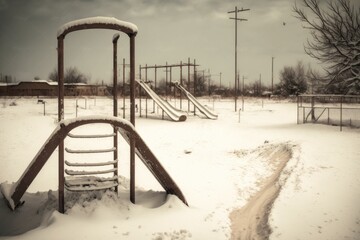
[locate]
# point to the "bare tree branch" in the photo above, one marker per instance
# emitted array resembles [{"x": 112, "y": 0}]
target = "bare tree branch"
[{"x": 335, "y": 39}]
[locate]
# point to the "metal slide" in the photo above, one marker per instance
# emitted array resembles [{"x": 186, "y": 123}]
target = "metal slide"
[
  {"x": 208, "y": 113},
  {"x": 172, "y": 112},
  {"x": 14, "y": 193}
]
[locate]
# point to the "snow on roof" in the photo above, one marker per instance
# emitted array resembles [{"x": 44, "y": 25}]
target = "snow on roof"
[
  {"x": 127, "y": 27},
  {"x": 7, "y": 84},
  {"x": 44, "y": 81}
]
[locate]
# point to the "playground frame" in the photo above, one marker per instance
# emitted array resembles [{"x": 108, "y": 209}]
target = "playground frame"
[
  {"x": 97, "y": 23},
  {"x": 166, "y": 66},
  {"x": 13, "y": 192}
]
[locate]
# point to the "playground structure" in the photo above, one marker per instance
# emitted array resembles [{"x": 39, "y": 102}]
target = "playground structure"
[
  {"x": 168, "y": 82},
  {"x": 207, "y": 112},
  {"x": 169, "y": 108},
  {"x": 89, "y": 180},
  {"x": 339, "y": 110},
  {"x": 166, "y": 107}
]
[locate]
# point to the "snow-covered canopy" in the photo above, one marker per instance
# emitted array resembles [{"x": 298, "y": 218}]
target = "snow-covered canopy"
[{"x": 97, "y": 22}]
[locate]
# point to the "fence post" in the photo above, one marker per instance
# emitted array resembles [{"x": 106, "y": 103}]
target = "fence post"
[
  {"x": 297, "y": 110},
  {"x": 76, "y": 107},
  {"x": 341, "y": 103},
  {"x": 312, "y": 109},
  {"x": 328, "y": 116}
]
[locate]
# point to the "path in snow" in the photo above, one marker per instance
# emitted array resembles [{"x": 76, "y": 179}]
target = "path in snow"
[{"x": 251, "y": 221}]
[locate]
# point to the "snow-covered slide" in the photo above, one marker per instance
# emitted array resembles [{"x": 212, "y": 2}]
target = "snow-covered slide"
[
  {"x": 13, "y": 192},
  {"x": 171, "y": 111},
  {"x": 204, "y": 110}
]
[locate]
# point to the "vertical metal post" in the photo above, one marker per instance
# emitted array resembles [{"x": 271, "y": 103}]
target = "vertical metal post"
[
  {"x": 154, "y": 88},
  {"x": 60, "y": 49},
  {"x": 328, "y": 121},
  {"x": 139, "y": 90},
  {"x": 188, "y": 83},
  {"x": 166, "y": 79},
  {"x": 123, "y": 90},
  {"x": 194, "y": 84},
  {"x": 132, "y": 117},
  {"x": 341, "y": 104},
  {"x": 297, "y": 109},
  {"x": 115, "y": 95},
  {"x": 195, "y": 77},
  {"x": 115, "y": 104},
  {"x": 312, "y": 109},
  {"x": 236, "y": 11},
  {"x": 76, "y": 107},
  {"x": 146, "y": 98},
  {"x": 170, "y": 81},
  {"x": 272, "y": 75},
  {"x": 181, "y": 85},
  {"x": 44, "y": 107}
]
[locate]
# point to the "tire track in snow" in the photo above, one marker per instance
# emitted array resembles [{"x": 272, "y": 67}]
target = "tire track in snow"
[{"x": 251, "y": 221}]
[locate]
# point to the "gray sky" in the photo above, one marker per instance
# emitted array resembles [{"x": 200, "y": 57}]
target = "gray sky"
[{"x": 169, "y": 30}]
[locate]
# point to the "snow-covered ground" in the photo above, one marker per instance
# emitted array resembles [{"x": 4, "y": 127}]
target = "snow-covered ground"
[{"x": 218, "y": 165}]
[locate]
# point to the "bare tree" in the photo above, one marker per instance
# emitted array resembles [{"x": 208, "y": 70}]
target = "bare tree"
[
  {"x": 71, "y": 75},
  {"x": 292, "y": 80},
  {"x": 335, "y": 41}
]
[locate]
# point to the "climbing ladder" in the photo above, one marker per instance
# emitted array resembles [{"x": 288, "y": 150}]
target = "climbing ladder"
[{"x": 86, "y": 176}]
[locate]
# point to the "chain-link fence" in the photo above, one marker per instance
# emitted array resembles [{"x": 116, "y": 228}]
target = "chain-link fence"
[{"x": 337, "y": 110}]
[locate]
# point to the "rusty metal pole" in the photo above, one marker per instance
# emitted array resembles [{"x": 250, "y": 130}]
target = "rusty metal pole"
[
  {"x": 181, "y": 84},
  {"x": 188, "y": 83},
  {"x": 341, "y": 108},
  {"x": 170, "y": 81},
  {"x": 146, "y": 98},
  {"x": 166, "y": 79},
  {"x": 115, "y": 104},
  {"x": 194, "y": 84},
  {"x": 60, "y": 49},
  {"x": 123, "y": 90},
  {"x": 154, "y": 89},
  {"x": 132, "y": 117},
  {"x": 139, "y": 90}
]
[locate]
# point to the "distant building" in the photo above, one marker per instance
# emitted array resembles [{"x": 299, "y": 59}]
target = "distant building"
[{"x": 50, "y": 88}]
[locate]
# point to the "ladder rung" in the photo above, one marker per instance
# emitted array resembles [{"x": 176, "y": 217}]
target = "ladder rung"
[
  {"x": 91, "y": 187},
  {"x": 90, "y": 151},
  {"x": 88, "y": 180},
  {"x": 73, "y": 172},
  {"x": 71, "y": 164},
  {"x": 91, "y": 136}
]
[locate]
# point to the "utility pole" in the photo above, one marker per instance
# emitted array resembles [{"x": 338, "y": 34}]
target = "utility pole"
[
  {"x": 243, "y": 83},
  {"x": 260, "y": 85},
  {"x": 236, "y": 19},
  {"x": 220, "y": 80},
  {"x": 272, "y": 75}
]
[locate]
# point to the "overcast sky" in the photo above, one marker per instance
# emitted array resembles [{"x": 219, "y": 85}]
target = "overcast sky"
[{"x": 169, "y": 31}]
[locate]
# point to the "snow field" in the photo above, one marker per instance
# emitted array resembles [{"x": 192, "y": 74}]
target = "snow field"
[{"x": 216, "y": 164}]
